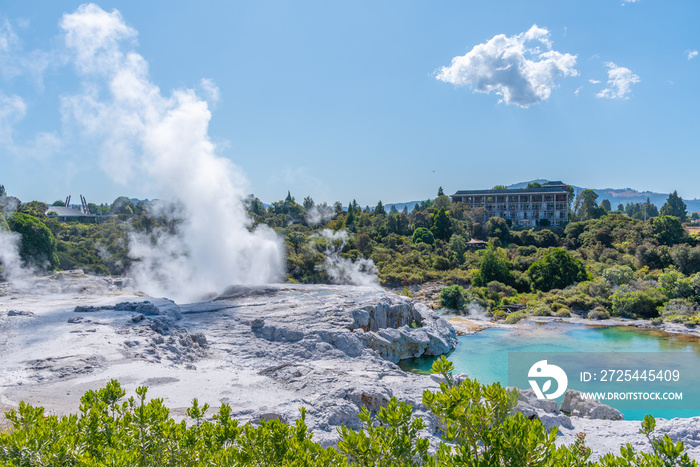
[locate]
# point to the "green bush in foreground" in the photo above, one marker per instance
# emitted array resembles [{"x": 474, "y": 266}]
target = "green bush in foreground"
[{"x": 479, "y": 422}]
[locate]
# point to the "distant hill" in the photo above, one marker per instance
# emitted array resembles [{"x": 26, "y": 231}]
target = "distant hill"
[
  {"x": 400, "y": 206},
  {"x": 623, "y": 195}
]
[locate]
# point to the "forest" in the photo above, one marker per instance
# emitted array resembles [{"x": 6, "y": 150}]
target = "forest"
[{"x": 636, "y": 261}]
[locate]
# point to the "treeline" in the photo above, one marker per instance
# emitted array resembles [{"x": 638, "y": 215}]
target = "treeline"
[{"x": 602, "y": 262}]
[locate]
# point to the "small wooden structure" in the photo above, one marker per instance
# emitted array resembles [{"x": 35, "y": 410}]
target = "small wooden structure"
[{"x": 475, "y": 244}]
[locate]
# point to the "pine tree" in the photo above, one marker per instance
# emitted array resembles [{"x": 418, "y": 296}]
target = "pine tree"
[
  {"x": 442, "y": 227},
  {"x": 350, "y": 218},
  {"x": 440, "y": 192},
  {"x": 380, "y": 209},
  {"x": 675, "y": 206}
]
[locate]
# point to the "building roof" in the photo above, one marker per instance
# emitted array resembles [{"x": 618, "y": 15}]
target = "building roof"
[
  {"x": 516, "y": 191},
  {"x": 476, "y": 241},
  {"x": 62, "y": 211}
]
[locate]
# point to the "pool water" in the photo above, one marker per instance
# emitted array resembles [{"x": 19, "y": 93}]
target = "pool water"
[{"x": 484, "y": 355}]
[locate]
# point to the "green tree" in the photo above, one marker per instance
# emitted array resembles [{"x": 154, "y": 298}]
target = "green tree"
[
  {"x": 393, "y": 210},
  {"x": 588, "y": 208},
  {"x": 494, "y": 267},
  {"x": 533, "y": 185},
  {"x": 695, "y": 216},
  {"x": 605, "y": 204},
  {"x": 500, "y": 187},
  {"x": 421, "y": 234},
  {"x": 498, "y": 227},
  {"x": 675, "y": 206},
  {"x": 442, "y": 202},
  {"x": 379, "y": 210},
  {"x": 668, "y": 230},
  {"x": 308, "y": 203},
  {"x": 452, "y": 297},
  {"x": 440, "y": 192},
  {"x": 459, "y": 247},
  {"x": 442, "y": 227},
  {"x": 556, "y": 270},
  {"x": 38, "y": 244},
  {"x": 122, "y": 205},
  {"x": 34, "y": 208},
  {"x": 350, "y": 218}
]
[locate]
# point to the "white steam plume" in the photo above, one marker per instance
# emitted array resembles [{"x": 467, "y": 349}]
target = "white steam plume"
[
  {"x": 11, "y": 268},
  {"x": 362, "y": 271},
  {"x": 165, "y": 137},
  {"x": 319, "y": 214}
]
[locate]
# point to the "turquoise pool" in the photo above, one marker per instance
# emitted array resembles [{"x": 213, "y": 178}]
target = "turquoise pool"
[{"x": 484, "y": 355}]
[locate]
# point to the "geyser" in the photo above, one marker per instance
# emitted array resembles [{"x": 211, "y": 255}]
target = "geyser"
[{"x": 141, "y": 131}]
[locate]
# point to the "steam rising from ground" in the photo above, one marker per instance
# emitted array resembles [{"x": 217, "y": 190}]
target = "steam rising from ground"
[
  {"x": 11, "y": 268},
  {"x": 362, "y": 271},
  {"x": 165, "y": 137},
  {"x": 319, "y": 214}
]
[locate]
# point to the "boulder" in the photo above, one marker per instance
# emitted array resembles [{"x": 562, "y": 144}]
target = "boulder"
[{"x": 575, "y": 405}]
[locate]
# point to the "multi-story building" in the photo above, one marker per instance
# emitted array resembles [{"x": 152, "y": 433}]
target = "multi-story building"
[{"x": 525, "y": 207}]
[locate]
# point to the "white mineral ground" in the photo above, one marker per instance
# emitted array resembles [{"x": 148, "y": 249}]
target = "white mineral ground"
[{"x": 265, "y": 351}]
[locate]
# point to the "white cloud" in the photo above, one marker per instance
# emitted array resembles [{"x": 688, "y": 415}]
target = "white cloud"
[
  {"x": 211, "y": 90},
  {"x": 8, "y": 38},
  {"x": 594, "y": 81},
  {"x": 515, "y": 67},
  {"x": 42, "y": 147},
  {"x": 15, "y": 62},
  {"x": 629, "y": 1},
  {"x": 620, "y": 80},
  {"x": 12, "y": 110},
  {"x": 692, "y": 54}
]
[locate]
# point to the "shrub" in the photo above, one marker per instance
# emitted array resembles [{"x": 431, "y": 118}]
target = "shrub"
[
  {"x": 38, "y": 244},
  {"x": 423, "y": 235},
  {"x": 686, "y": 259},
  {"x": 598, "y": 313},
  {"x": 539, "y": 309},
  {"x": 618, "y": 275},
  {"x": 695, "y": 284},
  {"x": 499, "y": 289},
  {"x": 515, "y": 316},
  {"x": 526, "y": 250},
  {"x": 678, "y": 306},
  {"x": 451, "y": 297},
  {"x": 563, "y": 313},
  {"x": 472, "y": 299},
  {"x": 633, "y": 303},
  {"x": 441, "y": 263},
  {"x": 479, "y": 424},
  {"x": 675, "y": 285},
  {"x": 499, "y": 315}
]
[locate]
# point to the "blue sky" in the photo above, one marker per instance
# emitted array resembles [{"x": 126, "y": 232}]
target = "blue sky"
[{"x": 343, "y": 100}]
